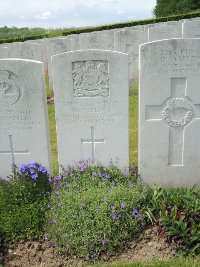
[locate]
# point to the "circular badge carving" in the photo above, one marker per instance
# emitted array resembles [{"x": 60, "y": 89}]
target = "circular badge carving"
[
  {"x": 178, "y": 112},
  {"x": 9, "y": 89},
  {"x": 60, "y": 48}
]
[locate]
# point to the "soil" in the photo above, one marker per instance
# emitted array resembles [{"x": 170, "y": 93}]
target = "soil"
[{"x": 151, "y": 244}]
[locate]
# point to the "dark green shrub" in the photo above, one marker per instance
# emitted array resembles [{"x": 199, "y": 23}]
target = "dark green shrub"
[
  {"x": 95, "y": 210},
  {"x": 178, "y": 210},
  {"x": 23, "y": 202}
]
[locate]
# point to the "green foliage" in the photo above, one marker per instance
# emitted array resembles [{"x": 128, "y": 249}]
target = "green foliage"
[
  {"x": 178, "y": 210},
  {"x": 133, "y": 88},
  {"x": 10, "y": 35},
  {"x": 173, "y": 7},
  {"x": 95, "y": 210},
  {"x": 23, "y": 202}
]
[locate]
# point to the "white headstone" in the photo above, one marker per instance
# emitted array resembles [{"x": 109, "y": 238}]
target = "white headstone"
[
  {"x": 97, "y": 40},
  {"x": 147, "y": 26},
  {"x": 73, "y": 42},
  {"x": 4, "y": 52},
  {"x": 26, "y": 51},
  {"x": 164, "y": 32},
  {"x": 41, "y": 42},
  {"x": 128, "y": 42},
  {"x": 91, "y": 102},
  {"x": 191, "y": 29},
  {"x": 169, "y": 120},
  {"x": 24, "y": 135},
  {"x": 55, "y": 46}
]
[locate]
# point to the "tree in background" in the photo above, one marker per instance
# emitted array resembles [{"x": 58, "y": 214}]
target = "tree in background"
[{"x": 173, "y": 7}]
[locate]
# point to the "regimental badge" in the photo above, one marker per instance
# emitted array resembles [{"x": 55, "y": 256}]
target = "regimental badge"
[
  {"x": 90, "y": 79},
  {"x": 9, "y": 88}
]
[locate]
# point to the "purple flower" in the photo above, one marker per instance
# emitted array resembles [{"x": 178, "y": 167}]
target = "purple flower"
[
  {"x": 94, "y": 174},
  {"x": 113, "y": 216},
  {"x": 96, "y": 164},
  {"x": 32, "y": 171},
  {"x": 32, "y": 164},
  {"x": 42, "y": 169},
  {"x": 82, "y": 168},
  {"x": 97, "y": 209},
  {"x": 137, "y": 213},
  {"x": 34, "y": 176},
  {"x": 80, "y": 161},
  {"x": 56, "y": 193},
  {"x": 71, "y": 174},
  {"x": 56, "y": 178},
  {"x": 68, "y": 186},
  {"x": 126, "y": 173},
  {"x": 22, "y": 168},
  {"x": 111, "y": 162},
  {"x": 106, "y": 176},
  {"x": 123, "y": 205},
  {"x": 100, "y": 174},
  {"x": 112, "y": 207}
]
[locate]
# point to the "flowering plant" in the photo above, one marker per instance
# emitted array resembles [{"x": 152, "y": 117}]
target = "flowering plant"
[{"x": 94, "y": 209}]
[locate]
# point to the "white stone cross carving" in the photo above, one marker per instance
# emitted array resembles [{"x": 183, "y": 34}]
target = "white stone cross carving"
[
  {"x": 176, "y": 111},
  {"x": 92, "y": 141},
  {"x": 12, "y": 150}
]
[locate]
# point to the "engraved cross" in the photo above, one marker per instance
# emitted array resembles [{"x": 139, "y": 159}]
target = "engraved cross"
[
  {"x": 177, "y": 111},
  {"x": 12, "y": 150},
  {"x": 92, "y": 141}
]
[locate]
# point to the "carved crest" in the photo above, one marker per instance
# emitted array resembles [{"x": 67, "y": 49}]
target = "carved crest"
[
  {"x": 91, "y": 79},
  {"x": 9, "y": 89}
]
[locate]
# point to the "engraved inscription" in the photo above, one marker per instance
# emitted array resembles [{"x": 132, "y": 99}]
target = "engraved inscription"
[
  {"x": 90, "y": 78},
  {"x": 177, "y": 60},
  {"x": 27, "y": 52},
  {"x": 10, "y": 88},
  {"x": 91, "y": 113},
  {"x": 17, "y": 120},
  {"x": 60, "y": 48},
  {"x": 178, "y": 112}
]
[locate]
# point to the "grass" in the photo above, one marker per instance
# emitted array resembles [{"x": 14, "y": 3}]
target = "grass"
[{"x": 133, "y": 129}]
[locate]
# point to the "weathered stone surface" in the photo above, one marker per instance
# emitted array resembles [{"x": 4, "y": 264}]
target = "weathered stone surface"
[
  {"x": 55, "y": 46},
  {"x": 128, "y": 41},
  {"x": 97, "y": 40},
  {"x": 164, "y": 32},
  {"x": 91, "y": 102},
  {"x": 169, "y": 120},
  {"x": 191, "y": 29},
  {"x": 4, "y": 52},
  {"x": 24, "y": 135},
  {"x": 26, "y": 50}
]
